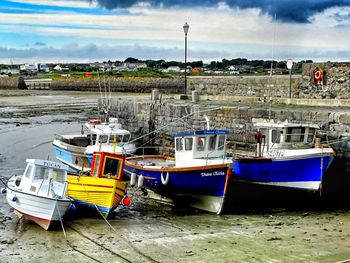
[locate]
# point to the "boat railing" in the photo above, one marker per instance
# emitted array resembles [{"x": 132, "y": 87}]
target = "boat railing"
[{"x": 223, "y": 157}]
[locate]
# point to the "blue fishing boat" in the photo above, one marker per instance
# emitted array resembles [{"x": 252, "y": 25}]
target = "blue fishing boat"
[
  {"x": 76, "y": 150},
  {"x": 288, "y": 155},
  {"x": 198, "y": 175}
]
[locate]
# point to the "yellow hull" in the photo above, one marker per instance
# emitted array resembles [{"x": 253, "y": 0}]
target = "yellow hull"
[{"x": 103, "y": 194}]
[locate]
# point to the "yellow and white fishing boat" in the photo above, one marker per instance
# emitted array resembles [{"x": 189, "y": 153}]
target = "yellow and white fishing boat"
[{"x": 103, "y": 189}]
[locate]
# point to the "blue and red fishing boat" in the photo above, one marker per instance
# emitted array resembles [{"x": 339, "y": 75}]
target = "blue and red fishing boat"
[{"x": 198, "y": 175}]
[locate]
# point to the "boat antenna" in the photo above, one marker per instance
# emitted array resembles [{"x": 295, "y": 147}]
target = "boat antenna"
[
  {"x": 271, "y": 66},
  {"x": 99, "y": 85},
  {"x": 106, "y": 98}
]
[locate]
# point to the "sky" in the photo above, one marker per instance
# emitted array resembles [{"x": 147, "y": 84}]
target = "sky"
[{"x": 64, "y": 31}]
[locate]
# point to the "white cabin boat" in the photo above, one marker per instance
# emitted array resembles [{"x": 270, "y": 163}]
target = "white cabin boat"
[
  {"x": 40, "y": 193},
  {"x": 76, "y": 150}
]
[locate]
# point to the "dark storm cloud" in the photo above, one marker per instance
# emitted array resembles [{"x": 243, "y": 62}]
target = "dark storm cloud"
[{"x": 297, "y": 11}]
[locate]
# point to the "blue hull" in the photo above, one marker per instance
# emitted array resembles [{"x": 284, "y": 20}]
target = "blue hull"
[
  {"x": 206, "y": 185},
  {"x": 75, "y": 161},
  {"x": 282, "y": 172},
  {"x": 104, "y": 210}
]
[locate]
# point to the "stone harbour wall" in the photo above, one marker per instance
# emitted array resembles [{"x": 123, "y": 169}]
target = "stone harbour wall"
[
  {"x": 142, "y": 118},
  {"x": 170, "y": 116},
  {"x": 335, "y": 85},
  {"x": 253, "y": 86},
  {"x": 336, "y": 81}
]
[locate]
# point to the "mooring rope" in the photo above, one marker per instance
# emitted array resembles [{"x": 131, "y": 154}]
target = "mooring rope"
[
  {"x": 115, "y": 231},
  {"x": 124, "y": 239}
]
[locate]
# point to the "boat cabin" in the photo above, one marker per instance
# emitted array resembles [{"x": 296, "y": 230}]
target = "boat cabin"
[
  {"x": 107, "y": 165},
  {"x": 108, "y": 135},
  {"x": 96, "y": 135},
  {"x": 201, "y": 144},
  {"x": 44, "y": 178},
  {"x": 284, "y": 135}
]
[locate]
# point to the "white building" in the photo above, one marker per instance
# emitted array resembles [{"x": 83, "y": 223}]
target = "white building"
[
  {"x": 42, "y": 67},
  {"x": 28, "y": 67},
  {"x": 233, "y": 70},
  {"x": 174, "y": 69}
]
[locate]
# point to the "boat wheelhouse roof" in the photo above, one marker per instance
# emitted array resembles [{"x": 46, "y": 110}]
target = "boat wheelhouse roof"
[
  {"x": 265, "y": 123},
  {"x": 48, "y": 164},
  {"x": 201, "y": 132},
  {"x": 103, "y": 129}
]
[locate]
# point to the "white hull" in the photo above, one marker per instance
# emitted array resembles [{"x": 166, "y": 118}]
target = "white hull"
[
  {"x": 308, "y": 186},
  {"x": 42, "y": 210}
]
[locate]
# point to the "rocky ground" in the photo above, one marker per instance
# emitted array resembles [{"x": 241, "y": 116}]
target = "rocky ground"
[{"x": 149, "y": 231}]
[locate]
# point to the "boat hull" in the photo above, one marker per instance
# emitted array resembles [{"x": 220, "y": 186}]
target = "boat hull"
[
  {"x": 100, "y": 194},
  {"x": 299, "y": 172},
  {"x": 202, "y": 187},
  {"x": 42, "y": 210},
  {"x": 73, "y": 156}
]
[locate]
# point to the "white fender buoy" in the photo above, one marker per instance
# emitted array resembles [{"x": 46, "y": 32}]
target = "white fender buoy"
[
  {"x": 132, "y": 179},
  {"x": 3, "y": 190},
  {"x": 165, "y": 180},
  {"x": 140, "y": 181}
]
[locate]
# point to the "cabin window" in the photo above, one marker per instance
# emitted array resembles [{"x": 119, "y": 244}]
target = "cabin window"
[
  {"x": 58, "y": 175},
  {"x": 200, "y": 143},
  {"x": 111, "y": 167},
  {"x": 93, "y": 138},
  {"x": 295, "y": 134},
  {"x": 212, "y": 143},
  {"x": 97, "y": 163},
  {"x": 42, "y": 173},
  {"x": 276, "y": 136},
  {"x": 28, "y": 171},
  {"x": 264, "y": 131},
  {"x": 311, "y": 135},
  {"x": 102, "y": 138},
  {"x": 119, "y": 138},
  {"x": 221, "y": 143},
  {"x": 126, "y": 138},
  {"x": 188, "y": 144},
  {"x": 179, "y": 146}
]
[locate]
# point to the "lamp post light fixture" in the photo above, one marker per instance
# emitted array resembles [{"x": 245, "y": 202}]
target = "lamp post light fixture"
[
  {"x": 289, "y": 66},
  {"x": 186, "y": 28}
]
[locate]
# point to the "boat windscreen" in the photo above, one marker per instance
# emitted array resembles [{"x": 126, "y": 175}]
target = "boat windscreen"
[{"x": 112, "y": 167}]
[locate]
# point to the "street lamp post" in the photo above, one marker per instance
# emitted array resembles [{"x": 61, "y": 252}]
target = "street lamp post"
[
  {"x": 289, "y": 66},
  {"x": 186, "y": 28}
]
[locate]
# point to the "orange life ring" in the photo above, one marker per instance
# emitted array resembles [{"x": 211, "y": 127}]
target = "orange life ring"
[{"x": 318, "y": 74}]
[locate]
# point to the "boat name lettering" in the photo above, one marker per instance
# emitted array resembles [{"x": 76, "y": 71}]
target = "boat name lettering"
[
  {"x": 275, "y": 153},
  {"x": 54, "y": 165},
  {"x": 215, "y": 173}
]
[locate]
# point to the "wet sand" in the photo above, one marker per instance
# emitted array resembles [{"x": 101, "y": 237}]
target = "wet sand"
[{"x": 149, "y": 231}]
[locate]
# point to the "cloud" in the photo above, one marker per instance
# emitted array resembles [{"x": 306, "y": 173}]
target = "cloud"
[
  {"x": 74, "y": 52},
  {"x": 298, "y": 11},
  {"x": 60, "y": 3},
  {"x": 38, "y": 43}
]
